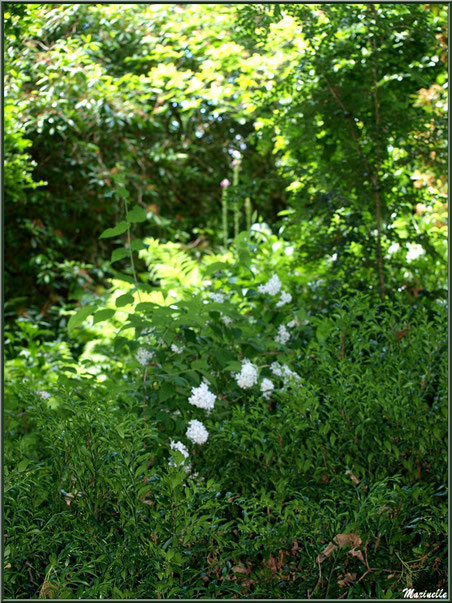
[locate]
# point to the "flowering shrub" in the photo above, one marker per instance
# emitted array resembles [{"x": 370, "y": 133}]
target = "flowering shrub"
[{"x": 236, "y": 450}]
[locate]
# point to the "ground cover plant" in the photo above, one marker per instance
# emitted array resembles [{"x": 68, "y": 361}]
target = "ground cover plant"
[{"x": 231, "y": 380}]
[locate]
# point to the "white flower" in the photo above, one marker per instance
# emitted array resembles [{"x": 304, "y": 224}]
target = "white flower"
[
  {"x": 183, "y": 449},
  {"x": 217, "y": 297},
  {"x": 226, "y": 319},
  {"x": 272, "y": 287},
  {"x": 283, "y": 335},
  {"x": 196, "y": 432},
  {"x": 275, "y": 368},
  {"x": 176, "y": 349},
  {"x": 144, "y": 356},
  {"x": 267, "y": 388},
  {"x": 414, "y": 251},
  {"x": 44, "y": 395},
  {"x": 202, "y": 397},
  {"x": 393, "y": 248},
  {"x": 284, "y": 371},
  {"x": 293, "y": 323},
  {"x": 289, "y": 375},
  {"x": 285, "y": 298},
  {"x": 180, "y": 447},
  {"x": 247, "y": 376}
]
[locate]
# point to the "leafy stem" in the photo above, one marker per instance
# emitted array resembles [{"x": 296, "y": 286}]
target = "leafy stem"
[{"x": 132, "y": 264}]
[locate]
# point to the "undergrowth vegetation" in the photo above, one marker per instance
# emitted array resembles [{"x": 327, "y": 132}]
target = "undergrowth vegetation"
[
  {"x": 230, "y": 438},
  {"x": 226, "y": 301}
]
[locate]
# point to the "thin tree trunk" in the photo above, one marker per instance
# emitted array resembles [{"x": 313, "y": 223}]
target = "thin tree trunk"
[{"x": 376, "y": 175}]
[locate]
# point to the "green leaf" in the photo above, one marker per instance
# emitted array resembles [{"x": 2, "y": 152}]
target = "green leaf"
[
  {"x": 166, "y": 391},
  {"x": 119, "y": 254},
  {"x": 123, "y": 277},
  {"x": 22, "y": 465},
  {"x": 119, "y": 229},
  {"x": 79, "y": 317},
  {"x": 145, "y": 306},
  {"x": 224, "y": 357},
  {"x": 119, "y": 343},
  {"x": 233, "y": 366},
  {"x": 200, "y": 365},
  {"x": 216, "y": 266},
  {"x": 125, "y": 299},
  {"x": 137, "y": 214},
  {"x": 103, "y": 315},
  {"x": 137, "y": 244}
]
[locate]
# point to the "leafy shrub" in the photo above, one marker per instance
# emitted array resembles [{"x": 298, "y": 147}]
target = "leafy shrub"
[{"x": 333, "y": 479}]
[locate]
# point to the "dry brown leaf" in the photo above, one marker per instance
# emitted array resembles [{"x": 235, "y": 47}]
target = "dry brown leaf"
[
  {"x": 354, "y": 479},
  {"x": 349, "y": 579},
  {"x": 352, "y": 540},
  {"x": 377, "y": 542},
  {"x": 358, "y": 554},
  {"x": 48, "y": 591},
  {"x": 240, "y": 570},
  {"x": 330, "y": 548}
]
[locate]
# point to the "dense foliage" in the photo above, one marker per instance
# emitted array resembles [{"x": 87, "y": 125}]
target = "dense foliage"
[
  {"x": 226, "y": 339},
  {"x": 351, "y": 440},
  {"x": 337, "y": 112}
]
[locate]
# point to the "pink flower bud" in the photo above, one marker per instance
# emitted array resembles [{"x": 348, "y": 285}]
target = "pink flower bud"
[
  {"x": 225, "y": 183},
  {"x": 234, "y": 162}
]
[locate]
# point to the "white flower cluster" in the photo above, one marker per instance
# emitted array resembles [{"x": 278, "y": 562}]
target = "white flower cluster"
[
  {"x": 144, "y": 356},
  {"x": 271, "y": 287},
  {"x": 176, "y": 349},
  {"x": 414, "y": 252},
  {"x": 293, "y": 323},
  {"x": 217, "y": 297},
  {"x": 285, "y": 372},
  {"x": 180, "y": 447},
  {"x": 247, "y": 376},
  {"x": 183, "y": 449},
  {"x": 44, "y": 395},
  {"x": 227, "y": 321},
  {"x": 283, "y": 335},
  {"x": 196, "y": 432},
  {"x": 266, "y": 388},
  {"x": 277, "y": 369},
  {"x": 285, "y": 298},
  {"x": 202, "y": 397}
]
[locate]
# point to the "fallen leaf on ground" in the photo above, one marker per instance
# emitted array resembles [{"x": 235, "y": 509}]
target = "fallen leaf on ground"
[{"x": 349, "y": 579}]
